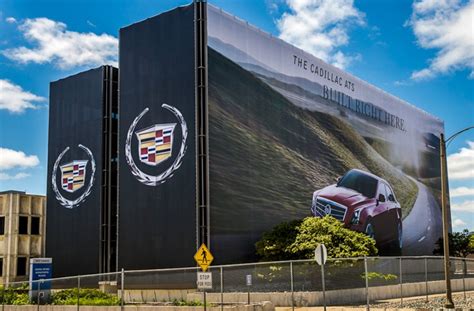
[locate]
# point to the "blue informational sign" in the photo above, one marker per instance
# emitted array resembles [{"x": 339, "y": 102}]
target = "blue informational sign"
[{"x": 41, "y": 271}]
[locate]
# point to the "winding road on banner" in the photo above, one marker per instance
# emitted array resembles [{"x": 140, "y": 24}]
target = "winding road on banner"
[{"x": 423, "y": 226}]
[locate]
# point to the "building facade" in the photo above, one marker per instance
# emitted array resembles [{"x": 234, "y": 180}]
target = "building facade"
[{"x": 22, "y": 233}]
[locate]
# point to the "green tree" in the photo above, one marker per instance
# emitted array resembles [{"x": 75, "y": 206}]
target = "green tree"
[
  {"x": 459, "y": 244},
  {"x": 299, "y": 239},
  {"x": 471, "y": 244}
]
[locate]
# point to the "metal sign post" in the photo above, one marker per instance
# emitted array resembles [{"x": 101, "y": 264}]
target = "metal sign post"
[
  {"x": 204, "y": 281},
  {"x": 321, "y": 255},
  {"x": 204, "y": 258},
  {"x": 248, "y": 281}
]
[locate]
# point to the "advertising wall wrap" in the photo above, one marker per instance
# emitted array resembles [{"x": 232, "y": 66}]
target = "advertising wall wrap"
[
  {"x": 74, "y": 179},
  {"x": 292, "y": 136},
  {"x": 157, "y": 218}
]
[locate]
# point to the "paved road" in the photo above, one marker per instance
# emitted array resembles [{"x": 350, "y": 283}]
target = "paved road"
[{"x": 423, "y": 226}]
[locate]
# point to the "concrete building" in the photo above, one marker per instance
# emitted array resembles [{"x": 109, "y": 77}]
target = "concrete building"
[{"x": 22, "y": 227}]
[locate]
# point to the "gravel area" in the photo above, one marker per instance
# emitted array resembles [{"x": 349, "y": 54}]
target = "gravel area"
[{"x": 435, "y": 302}]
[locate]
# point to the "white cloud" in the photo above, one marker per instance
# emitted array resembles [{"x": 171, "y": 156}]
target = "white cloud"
[
  {"x": 466, "y": 206},
  {"x": 446, "y": 26},
  {"x": 458, "y": 223},
  {"x": 4, "y": 176},
  {"x": 461, "y": 164},
  {"x": 16, "y": 159},
  {"x": 461, "y": 192},
  {"x": 10, "y": 20},
  {"x": 53, "y": 43},
  {"x": 14, "y": 99},
  {"x": 320, "y": 27}
]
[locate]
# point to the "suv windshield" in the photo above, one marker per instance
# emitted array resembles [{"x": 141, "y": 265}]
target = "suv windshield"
[{"x": 358, "y": 181}]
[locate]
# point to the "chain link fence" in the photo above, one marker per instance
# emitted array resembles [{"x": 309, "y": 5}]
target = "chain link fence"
[{"x": 298, "y": 283}]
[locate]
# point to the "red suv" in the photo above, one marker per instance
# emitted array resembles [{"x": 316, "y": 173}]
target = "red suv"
[{"x": 365, "y": 203}]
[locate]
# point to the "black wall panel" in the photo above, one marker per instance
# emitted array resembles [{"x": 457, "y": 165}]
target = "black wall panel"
[
  {"x": 75, "y": 117},
  {"x": 157, "y": 223}
]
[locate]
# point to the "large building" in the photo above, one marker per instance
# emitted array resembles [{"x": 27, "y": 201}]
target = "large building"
[
  {"x": 82, "y": 172},
  {"x": 226, "y": 131},
  {"x": 22, "y": 233}
]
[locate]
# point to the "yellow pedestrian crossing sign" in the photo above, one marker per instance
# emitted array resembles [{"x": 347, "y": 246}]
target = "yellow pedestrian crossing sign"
[{"x": 203, "y": 257}]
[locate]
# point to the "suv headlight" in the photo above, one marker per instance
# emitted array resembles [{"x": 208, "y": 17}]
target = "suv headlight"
[
  {"x": 356, "y": 217},
  {"x": 313, "y": 204}
]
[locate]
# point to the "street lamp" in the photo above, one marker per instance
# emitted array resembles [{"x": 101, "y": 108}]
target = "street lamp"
[{"x": 444, "y": 198}]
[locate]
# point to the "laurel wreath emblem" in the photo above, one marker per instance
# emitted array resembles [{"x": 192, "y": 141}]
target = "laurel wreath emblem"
[
  {"x": 62, "y": 200},
  {"x": 142, "y": 177}
]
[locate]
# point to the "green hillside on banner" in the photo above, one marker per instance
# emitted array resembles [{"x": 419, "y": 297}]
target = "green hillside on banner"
[{"x": 268, "y": 156}]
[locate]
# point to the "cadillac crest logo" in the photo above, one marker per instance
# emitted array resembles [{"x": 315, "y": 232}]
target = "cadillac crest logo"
[
  {"x": 73, "y": 178},
  {"x": 327, "y": 209},
  {"x": 155, "y": 145},
  {"x": 73, "y": 175}
]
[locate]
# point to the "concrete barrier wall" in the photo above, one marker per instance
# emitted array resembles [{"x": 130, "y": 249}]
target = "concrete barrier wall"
[
  {"x": 157, "y": 295},
  {"x": 264, "y": 306},
  {"x": 336, "y": 297}
]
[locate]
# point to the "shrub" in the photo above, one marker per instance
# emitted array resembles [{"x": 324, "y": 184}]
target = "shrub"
[
  {"x": 15, "y": 295},
  {"x": 89, "y": 297},
  {"x": 275, "y": 244},
  {"x": 298, "y": 240},
  {"x": 379, "y": 276},
  {"x": 192, "y": 303}
]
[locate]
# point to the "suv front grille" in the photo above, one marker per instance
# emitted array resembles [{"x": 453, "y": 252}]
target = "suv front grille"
[{"x": 336, "y": 210}]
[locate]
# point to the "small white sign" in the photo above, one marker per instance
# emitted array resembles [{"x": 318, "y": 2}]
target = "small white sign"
[
  {"x": 321, "y": 254},
  {"x": 248, "y": 279},
  {"x": 41, "y": 260},
  {"x": 204, "y": 280}
]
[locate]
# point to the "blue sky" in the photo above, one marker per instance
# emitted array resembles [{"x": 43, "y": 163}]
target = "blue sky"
[{"x": 407, "y": 48}]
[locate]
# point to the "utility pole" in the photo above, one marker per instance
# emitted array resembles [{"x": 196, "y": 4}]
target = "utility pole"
[{"x": 444, "y": 209}]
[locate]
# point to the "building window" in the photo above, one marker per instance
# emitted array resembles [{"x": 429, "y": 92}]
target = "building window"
[
  {"x": 23, "y": 225},
  {"x": 2, "y": 225},
  {"x": 35, "y": 225},
  {"x": 1, "y": 266},
  {"x": 21, "y": 266}
]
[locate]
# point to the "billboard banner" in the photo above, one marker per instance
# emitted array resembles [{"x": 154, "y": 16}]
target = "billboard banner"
[
  {"x": 157, "y": 146},
  {"x": 74, "y": 173},
  {"x": 292, "y": 136}
]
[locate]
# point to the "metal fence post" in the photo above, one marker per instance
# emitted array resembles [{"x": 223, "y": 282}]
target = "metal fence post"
[
  {"x": 38, "y": 295},
  {"x": 366, "y": 283},
  {"x": 426, "y": 278},
  {"x": 122, "y": 289},
  {"x": 222, "y": 288},
  {"x": 78, "y": 291},
  {"x": 401, "y": 284},
  {"x": 323, "y": 283},
  {"x": 464, "y": 277},
  {"x": 292, "y": 287}
]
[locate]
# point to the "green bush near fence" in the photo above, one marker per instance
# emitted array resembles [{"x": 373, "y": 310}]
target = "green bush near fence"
[
  {"x": 379, "y": 276},
  {"x": 88, "y": 297},
  {"x": 186, "y": 303},
  {"x": 15, "y": 295}
]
